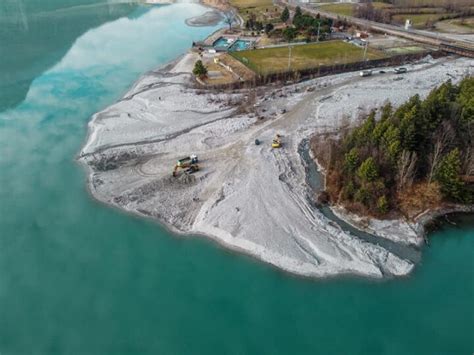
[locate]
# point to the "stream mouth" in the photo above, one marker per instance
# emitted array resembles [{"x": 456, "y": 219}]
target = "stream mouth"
[{"x": 314, "y": 179}]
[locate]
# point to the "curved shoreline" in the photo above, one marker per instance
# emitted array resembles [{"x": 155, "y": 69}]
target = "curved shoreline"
[
  {"x": 132, "y": 144},
  {"x": 418, "y": 224},
  {"x": 210, "y": 18}
]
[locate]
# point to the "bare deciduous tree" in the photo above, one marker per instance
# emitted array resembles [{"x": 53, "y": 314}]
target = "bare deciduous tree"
[
  {"x": 406, "y": 169},
  {"x": 229, "y": 18},
  {"x": 443, "y": 136},
  {"x": 469, "y": 162}
]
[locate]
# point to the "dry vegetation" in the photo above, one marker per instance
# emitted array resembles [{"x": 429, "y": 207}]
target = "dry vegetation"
[
  {"x": 423, "y": 14},
  {"x": 431, "y": 3},
  {"x": 263, "y": 10},
  {"x": 241, "y": 70},
  {"x": 419, "y": 198}
]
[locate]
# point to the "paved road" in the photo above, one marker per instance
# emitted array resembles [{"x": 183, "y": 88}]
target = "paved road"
[{"x": 426, "y": 37}]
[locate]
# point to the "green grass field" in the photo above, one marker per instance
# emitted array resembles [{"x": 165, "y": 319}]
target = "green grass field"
[{"x": 274, "y": 60}]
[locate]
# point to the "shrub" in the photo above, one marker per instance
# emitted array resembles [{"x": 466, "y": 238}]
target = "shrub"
[{"x": 382, "y": 204}]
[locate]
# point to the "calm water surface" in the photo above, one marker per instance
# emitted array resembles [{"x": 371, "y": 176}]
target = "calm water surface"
[{"x": 79, "y": 278}]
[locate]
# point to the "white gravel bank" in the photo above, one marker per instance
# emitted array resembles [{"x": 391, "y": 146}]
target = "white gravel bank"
[{"x": 250, "y": 198}]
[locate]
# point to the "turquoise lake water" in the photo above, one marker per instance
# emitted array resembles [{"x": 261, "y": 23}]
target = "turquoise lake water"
[{"x": 77, "y": 277}]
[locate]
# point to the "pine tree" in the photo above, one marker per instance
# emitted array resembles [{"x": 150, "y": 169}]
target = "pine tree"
[
  {"x": 368, "y": 171},
  {"x": 466, "y": 100},
  {"x": 285, "y": 15},
  {"x": 297, "y": 16},
  {"x": 391, "y": 139},
  {"x": 199, "y": 69},
  {"x": 298, "y": 12},
  {"x": 362, "y": 196},
  {"x": 387, "y": 111},
  {"x": 448, "y": 177},
  {"x": 290, "y": 33},
  {"x": 351, "y": 160}
]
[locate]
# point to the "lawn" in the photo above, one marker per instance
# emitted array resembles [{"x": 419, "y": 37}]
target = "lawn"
[
  {"x": 341, "y": 9},
  {"x": 418, "y": 20},
  {"x": 263, "y": 9},
  {"x": 347, "y": 9},
  {"x": 467, "y": 23},
  {"x": 251, "y": 3},
  {"x": 274, "y": 60},
  {"x": 405, "y": 50}
]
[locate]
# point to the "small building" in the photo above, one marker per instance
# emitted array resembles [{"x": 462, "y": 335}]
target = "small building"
[{"x": 362, "y": 35}]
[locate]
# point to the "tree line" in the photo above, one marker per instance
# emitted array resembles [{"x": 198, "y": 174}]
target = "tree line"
[
  {"x": 431, "y": 3},
  {"x": 311, "y": 27},
  {"x": 412, "y": 158},
  {"x": 451, "y": 9}
]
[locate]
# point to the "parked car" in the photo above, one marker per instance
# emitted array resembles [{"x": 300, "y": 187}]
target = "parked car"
[{"x": 400, "y": 70}]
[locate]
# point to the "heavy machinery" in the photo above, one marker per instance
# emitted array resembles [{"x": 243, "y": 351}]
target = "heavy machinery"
[
  {"x": 187, "y": 170},
  {"x": 276, "y": 143},
  {"x": 192, "y": 159},
  {"x": 188, "y": 165}
]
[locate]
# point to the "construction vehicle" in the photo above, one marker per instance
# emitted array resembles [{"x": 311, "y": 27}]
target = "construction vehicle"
[
  {"x": 187, "y": 170},
  {"x": 188, "y": 165},
  {"x": 276, "y": 143},
  {"x": 184, "y": 162}
]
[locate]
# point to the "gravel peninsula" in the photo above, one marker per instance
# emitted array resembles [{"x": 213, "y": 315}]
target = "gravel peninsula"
[{"x": 248, "y": 197}]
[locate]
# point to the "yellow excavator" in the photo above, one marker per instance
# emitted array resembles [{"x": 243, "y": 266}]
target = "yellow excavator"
[
  {"x": 276, "y": 143},
  {"x": 189, "y": 165}
]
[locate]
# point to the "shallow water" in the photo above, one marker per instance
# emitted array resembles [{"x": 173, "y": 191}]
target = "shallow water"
[{"x": 79, "y": 277}]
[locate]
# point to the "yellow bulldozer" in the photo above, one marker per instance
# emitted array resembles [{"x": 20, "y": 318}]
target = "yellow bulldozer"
[{"x": 276, "y": 143}]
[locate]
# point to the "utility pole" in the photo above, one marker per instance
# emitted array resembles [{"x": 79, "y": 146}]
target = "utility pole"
[
  {"x": 319, "y": 27},
  {"x": 365, "y": 50},
  {"x": 289, "y": 57}
]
